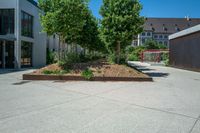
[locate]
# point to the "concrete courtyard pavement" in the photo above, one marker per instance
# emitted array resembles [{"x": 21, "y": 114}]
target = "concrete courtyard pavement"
[{"x": 170, "y": 104}]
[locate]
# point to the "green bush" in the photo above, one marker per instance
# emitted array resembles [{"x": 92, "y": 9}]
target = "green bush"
[
  {"x": 133, "y": 57},
  {"x": 165, "y": 58},
  {"x": 56, "y": 72},
  {"x": 166, "y": 62},
  {"x": 51, "y": 57},
  {"x": 47, "y": 72},
  {"x": 87, "y": 74},
  {"x": 111, "y": 58},
  {"x": 129, "y": 49}
]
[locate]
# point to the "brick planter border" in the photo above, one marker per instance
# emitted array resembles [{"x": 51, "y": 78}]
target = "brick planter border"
[{"x": 79, "y": 78}]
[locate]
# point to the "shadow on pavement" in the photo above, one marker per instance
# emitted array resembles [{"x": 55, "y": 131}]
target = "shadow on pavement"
[
  {"x": 157, "y": 74},
  {"x": 151, "y": 72},
  {"x": 7, "y": 71}
]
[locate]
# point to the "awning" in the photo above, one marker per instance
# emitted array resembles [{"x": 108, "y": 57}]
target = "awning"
[{"x": 8, "y": 37}]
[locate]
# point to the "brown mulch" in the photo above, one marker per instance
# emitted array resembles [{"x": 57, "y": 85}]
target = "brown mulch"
[{"x": 100, "y": 69}]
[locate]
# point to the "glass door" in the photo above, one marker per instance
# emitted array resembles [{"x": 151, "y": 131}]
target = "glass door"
[{"x": 9, "y": 54}]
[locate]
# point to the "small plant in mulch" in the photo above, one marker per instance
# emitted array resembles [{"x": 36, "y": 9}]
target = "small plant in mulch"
[
  {"x": 87, "y": 74},
  {"x": 56, "y": 72}
]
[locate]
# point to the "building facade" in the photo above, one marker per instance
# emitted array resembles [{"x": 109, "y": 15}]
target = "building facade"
[
  {"x": 184, "y": 49},
  {"x": 22, "y": 43},
  {"x": 159, "y": 29}
]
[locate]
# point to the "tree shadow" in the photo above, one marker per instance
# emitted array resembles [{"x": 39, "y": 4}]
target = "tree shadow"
[
  {"x": 7, "y": 71},
  {"x": 157, "y": 74},
  {"x": 151, "y": 72},
  {"x": 145, "y": 69}
]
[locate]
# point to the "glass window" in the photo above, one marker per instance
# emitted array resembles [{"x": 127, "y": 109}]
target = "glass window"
[
  {"x": 166, "y": 36},
  {"x": 26, "y": 24},
  {"x": 160, "y": 36},
  {"x": 143, "y": 41},
  {"x": 166, "y": 43},
  {"x": 155, "y": 36},
  {"x": 7, "y": 23},
  {"x": 160, "y": 42},
  {"x": 148, "y": 34},
  {"x": 143, "y": 34},
  {"x": 26, "y": 54}
]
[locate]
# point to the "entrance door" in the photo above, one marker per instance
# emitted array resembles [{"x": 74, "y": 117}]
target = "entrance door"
[
  {"x": 1, "y": 54},
  {"x": 9, "y": 54}
]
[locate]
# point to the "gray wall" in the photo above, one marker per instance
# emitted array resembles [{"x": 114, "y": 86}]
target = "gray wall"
[{"x": 185, "y": 52}]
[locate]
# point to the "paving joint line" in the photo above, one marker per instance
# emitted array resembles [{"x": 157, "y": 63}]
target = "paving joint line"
[
  {"x": 195, "y": 123},
  {"x": 132, "y": 104},
  {"x": 150, "y": 108},
  {"x": 55, "y": 105}
]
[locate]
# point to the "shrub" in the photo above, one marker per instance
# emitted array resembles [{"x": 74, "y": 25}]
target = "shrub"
[
  {"x": 165, "y": 58},
  {"x": 56, "y": 72},
  {"x": 129, "y": 49},
  {"x": 51, "y": 57},
  {"x": 111, "y": 58},
  {"x": 87, "y": 74},
  {"x": 47, "y": 72},
  {"x": 133, "y": 57},
  {"x": 166, "y": 62}
]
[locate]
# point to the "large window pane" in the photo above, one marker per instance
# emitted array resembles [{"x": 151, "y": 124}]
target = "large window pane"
[
  {"x": 27, "y": 24},
  {"x": 26, "y": 54},
  {"x": 7, "y": 23}
]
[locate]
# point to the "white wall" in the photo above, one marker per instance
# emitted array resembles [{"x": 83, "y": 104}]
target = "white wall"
[
  {"x": 8, "y": 4},
  {"x": 39, "y": 40},
  {"x": 53, "y": 43}
]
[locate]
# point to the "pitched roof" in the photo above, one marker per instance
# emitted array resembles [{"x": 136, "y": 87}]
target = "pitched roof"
[
  {"x": 169, "y": 25},
  {"x": 185, "y": 32}
]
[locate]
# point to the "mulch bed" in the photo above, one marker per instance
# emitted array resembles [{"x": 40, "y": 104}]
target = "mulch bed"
[{"x": 102, "y": 71}]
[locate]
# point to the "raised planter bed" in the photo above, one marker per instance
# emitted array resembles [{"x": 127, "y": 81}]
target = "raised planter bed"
[
  {"x": 102, "y": 71},
  {"x": 80, "y": 78}
]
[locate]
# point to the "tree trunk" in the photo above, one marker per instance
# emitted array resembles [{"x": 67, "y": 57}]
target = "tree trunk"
[
  {"x": 118, "y": 51},
  {"x": 62, "y": 46},
  {"x": 59, "y": 48}
]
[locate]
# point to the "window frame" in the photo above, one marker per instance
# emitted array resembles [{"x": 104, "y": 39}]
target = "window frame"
[
  {"x": 27, "y": 30},
  {"x": 26, "y": 61},
  {"x": 7, "y": 23}
]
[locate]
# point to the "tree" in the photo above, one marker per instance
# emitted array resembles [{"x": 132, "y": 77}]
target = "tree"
[
  {"x": 65, "y": 18},
  {"x": 121, "y": 21},
  {"x": 90, "y": 34}
]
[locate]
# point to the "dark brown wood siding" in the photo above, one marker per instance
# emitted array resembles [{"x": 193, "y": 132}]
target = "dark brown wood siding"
[{"x": 185, "y": 52}]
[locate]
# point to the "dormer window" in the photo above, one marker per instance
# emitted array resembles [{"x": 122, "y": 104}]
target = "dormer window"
[
  {"x": 164, "y": 28},
  {"x": 177, "y": 29}
]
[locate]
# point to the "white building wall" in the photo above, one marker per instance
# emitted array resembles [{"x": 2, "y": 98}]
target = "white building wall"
[{"x": 40, "y": 39}]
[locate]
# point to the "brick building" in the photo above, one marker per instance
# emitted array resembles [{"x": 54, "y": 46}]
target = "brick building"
[{"x": 159, "y": 29}]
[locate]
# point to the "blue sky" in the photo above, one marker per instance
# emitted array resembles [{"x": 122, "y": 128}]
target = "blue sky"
[{"x": 161, "y": 8}]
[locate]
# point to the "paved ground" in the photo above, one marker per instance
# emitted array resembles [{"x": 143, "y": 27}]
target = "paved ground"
[{"x": 171, "y": 104}]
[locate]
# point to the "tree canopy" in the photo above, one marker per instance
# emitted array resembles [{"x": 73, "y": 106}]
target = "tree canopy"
[
  {"x": 64, "y": 17},
  {"x": 121, "y": 21}
]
